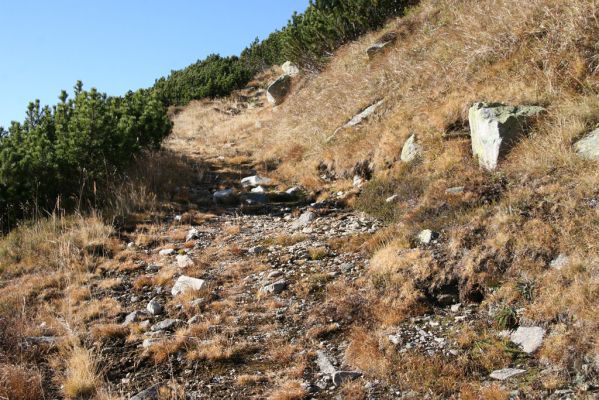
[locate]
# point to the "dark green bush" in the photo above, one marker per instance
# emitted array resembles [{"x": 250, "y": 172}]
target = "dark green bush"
[
  {"x": 74, "y": 149},
  {"x": 308, "y": 39}
]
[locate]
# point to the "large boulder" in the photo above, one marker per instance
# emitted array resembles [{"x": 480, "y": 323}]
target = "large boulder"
[
  {"x": 588, "y": 146},
  {"x": 495, "y": 128},
  {"x": 290, "y": 68},
  {"x": 411, "y": 150},
  {"x": 278, "y": 90},
  {"x": 225, "y": 197}
]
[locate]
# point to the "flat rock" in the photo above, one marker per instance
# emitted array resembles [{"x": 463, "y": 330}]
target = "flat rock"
[
  {"x": 392, "y": 199},
  {"x": 455, "y": 190},
  {"x": 506, "y": 373},
  {"x": 529, "y": 338},
  {"x": 559, "y": 262},
  {"x": 381, "y": 44},
  {"x": 363, "y": 115},
  {"x": 134, "y": 316},
  {"x": 187, "y": 283}
]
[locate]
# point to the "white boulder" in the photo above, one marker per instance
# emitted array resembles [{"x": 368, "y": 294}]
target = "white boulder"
[{"x": 187, "y": 283}]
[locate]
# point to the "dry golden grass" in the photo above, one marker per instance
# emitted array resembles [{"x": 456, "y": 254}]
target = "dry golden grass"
[
  {"x": 81, "y": 379},
  {"x": 250, "y": 380},
  {"x": 20, "y": 383},
  {"x": 108, "y": 331},
  {"x": 289, "y": 390}
]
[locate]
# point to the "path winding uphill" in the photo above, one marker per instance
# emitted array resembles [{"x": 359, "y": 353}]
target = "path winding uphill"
[{"x": 251, "y": 312}]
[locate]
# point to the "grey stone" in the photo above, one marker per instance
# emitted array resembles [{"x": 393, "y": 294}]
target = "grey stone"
[
  {"x": 528, "y": 338},
  {"x": 290, "y": 69},
  {"x": 411, "y": 150},
  {"x": 167, "y": 252},
  {"x": 494, "y": 129},
  {"x": 427, "y": 236},
  {"x": 392, "y": 199},
  {"x": 278, "y": 90},
  {"x": 255, "y": 198},
  {"x": 588, "y": 146},
  {"x": 274, "y": 288},
  {"x": 184, "y": 261},
  {"x": 225, "y": 197},
  {"x": 257, "y": 250},
  {"x": 324, "y": 363},
  {"x": 381, "y": 44},
  {"x": 166, "y": 325},
  {"x": 148, "y": 394},
  {"x": 134, "y": 316},
  {"x": 304, "y": 220},
  {"x": 192, "y": 234},
  {"x": 258, "y": 189},
  {"x": 154, "y": 307},
  {"x": 560, "y": 262},
  {"x": 506, "y": 373},
  {"x": 187, "y": 283},
  {"x": 255, "y": 180},
  {"x": 339, "y": 377},
  {"x": 364, "y": 114},
  {"x": 358, "y": 181}
]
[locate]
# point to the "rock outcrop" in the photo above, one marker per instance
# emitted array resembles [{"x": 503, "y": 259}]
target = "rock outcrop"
[
  {"x": 278, "y": 90},
  {"x": 380, "y": 45},
  {"x": 290, "y": 69},
  {"x": 495, "y": 128}
]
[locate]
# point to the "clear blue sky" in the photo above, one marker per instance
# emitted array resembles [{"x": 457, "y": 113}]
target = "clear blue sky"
[{"x": 118, "y": 45}]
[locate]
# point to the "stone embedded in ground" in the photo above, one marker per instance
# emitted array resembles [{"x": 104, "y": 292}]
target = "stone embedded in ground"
[
  {"x": 506, "y": 373},
  {"x": 166, "y": 325},
  {"x": 184, "y": 261},
  {"x": 225, "y": 197},
  {"x": 324, "y": 363},
  {"x": 529, "y": 338},
  {"x": 258, "y": 189},
  {"x": 290, "y": 68},
  {"x": 186, "y": 283},
  {"x": 364, "y": 114},
  {"x": 340, "y": 377},
  {"x": 167, "y": 252},
  {"x": 303, "y": 220},
  {"x": 559, "y": 262},
  {"x": 255, "y": 180},
  {"x": 278, "y": 90},
  {"x": 427, "y": 236},
  {"x": 192, "y": 234},
  {"x": 411, "y": 150},
  {"x": 257, "y": 250},
  {"x": 154, "y": 307},
  {"x": 255, "y": 198},
  {"x": 456, "y": 307},
  {"x": 588, "y": 146},
  {"x": 392, "y": 199},
  {"x": 148, "y": 394},
  {"x": 495, "y": 128},
  {"x": 381, "y": 44},
  {"x": 358, "y": 181},
  {"x": 455, "y": 190},
  {"x": 293, "y": 191},
  {"x": 274, "y": 288},
  {"x": 134, "y": 316}
]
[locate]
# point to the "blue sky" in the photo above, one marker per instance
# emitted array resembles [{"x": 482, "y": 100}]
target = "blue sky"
[{"x": 116, "y": 46}]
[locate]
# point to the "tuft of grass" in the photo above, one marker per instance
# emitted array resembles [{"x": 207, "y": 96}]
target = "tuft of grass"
[{"x": 81, "y": 378}]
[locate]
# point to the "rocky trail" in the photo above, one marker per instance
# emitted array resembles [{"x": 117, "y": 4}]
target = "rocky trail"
[{"x": 236, "y": 298}]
